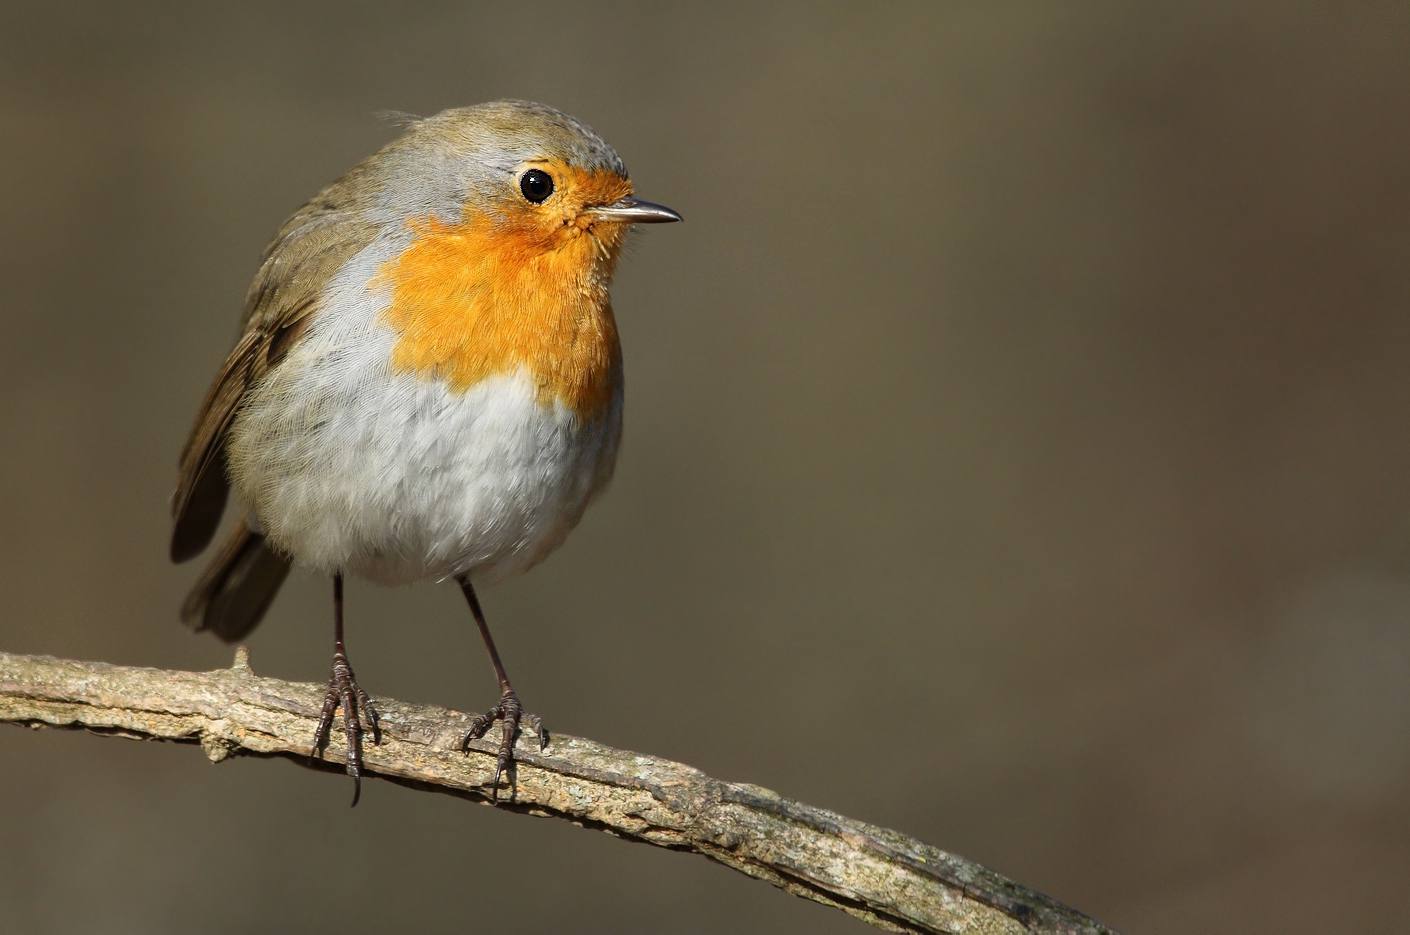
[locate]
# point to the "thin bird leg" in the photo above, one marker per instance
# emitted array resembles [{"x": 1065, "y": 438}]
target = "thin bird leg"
[
  {"x": 508, "y": 711},
  {"x": 345, "y": 693}
]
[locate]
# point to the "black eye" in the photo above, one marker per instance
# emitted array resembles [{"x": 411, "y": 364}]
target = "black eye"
[{"x": 536, "y": 185}]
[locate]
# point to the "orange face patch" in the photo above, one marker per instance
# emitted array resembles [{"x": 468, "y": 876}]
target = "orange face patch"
[{"x": 525, "y": 289}]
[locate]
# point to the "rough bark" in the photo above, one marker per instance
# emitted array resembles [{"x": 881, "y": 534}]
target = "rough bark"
[{"x": 886, "y": 878}]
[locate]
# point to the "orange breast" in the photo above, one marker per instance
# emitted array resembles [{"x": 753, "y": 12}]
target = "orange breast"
[{"x": 478, "y": 299}]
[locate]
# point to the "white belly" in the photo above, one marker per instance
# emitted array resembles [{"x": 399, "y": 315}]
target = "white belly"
[{"x": 347, "y": 467}]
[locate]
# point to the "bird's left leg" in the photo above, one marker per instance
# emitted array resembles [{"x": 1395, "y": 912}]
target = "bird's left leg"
[{"x": 508, "y": 712}]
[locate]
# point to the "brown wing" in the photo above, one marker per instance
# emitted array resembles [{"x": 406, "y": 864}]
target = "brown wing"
[{"x": 308, "y": 250}]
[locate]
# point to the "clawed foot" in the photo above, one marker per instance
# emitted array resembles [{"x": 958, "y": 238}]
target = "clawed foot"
[
  {"x": 508, "y": 712},
  {"x": 345, "y": 693}
]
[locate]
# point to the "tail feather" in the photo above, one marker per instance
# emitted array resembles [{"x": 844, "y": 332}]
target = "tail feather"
[{"x": 236, "y": 589}]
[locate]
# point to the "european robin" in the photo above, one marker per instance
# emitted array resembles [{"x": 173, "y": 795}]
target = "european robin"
[{"x": 427, "y": 383}]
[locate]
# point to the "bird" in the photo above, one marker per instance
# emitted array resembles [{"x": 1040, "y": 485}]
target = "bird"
[{"x": 427, "y": 385}]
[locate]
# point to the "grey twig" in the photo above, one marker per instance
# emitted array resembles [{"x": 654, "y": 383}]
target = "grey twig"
[{"x": 886, "y": 878}]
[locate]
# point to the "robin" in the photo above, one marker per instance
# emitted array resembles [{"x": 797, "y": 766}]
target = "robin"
[{"x": 427, "y": 383}]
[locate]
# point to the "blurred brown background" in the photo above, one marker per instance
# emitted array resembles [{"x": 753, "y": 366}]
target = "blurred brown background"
[{"x": 1023, "y": 409}]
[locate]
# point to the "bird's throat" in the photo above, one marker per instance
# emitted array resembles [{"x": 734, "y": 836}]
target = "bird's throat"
[{"x": 472, "y": 300}]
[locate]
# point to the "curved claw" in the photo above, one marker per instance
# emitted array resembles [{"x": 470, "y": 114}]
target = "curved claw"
[
  {"x": 344, "y": 692},
  {"x": 508, "y": 712},
  {"x": 537, "y": 724}
]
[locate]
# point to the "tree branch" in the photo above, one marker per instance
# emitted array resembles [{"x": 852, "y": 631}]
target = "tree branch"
[{"x": 890, "y": 880}]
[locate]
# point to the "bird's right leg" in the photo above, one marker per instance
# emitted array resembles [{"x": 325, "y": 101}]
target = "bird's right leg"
[{"x": 345, "y": 693}]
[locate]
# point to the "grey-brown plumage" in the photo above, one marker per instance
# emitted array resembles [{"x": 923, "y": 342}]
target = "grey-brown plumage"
[{"x": 308, "y": 249}]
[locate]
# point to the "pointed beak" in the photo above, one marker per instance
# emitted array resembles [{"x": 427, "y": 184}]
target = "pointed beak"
[{"x": 635, "y": 211}]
